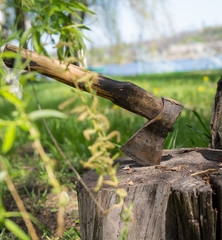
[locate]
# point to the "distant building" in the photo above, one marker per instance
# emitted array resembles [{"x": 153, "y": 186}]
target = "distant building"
[{"x": 193, "y": 50}]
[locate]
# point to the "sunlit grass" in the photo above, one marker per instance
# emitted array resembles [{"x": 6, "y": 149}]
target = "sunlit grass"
[{"x": 195, "y": 90}]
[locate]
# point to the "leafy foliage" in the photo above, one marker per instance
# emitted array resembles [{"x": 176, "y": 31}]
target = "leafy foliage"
[
  {"x": 50, "y": 20},
  {"x": 56, "y": 23}
]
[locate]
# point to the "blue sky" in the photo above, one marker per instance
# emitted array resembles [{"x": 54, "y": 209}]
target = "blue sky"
[
  {"x": 172, "y": 17},
  {"x": 193, "y": 14}
]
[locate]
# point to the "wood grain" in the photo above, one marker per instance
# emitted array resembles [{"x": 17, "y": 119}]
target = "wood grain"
[
  {"x": 124, "y": 94},
  {"x": 168, "y": 202}
]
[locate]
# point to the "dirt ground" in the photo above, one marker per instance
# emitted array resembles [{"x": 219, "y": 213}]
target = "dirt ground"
[
  {"x": 41, "y": 203},
  {"x": 46, "y": 213}
]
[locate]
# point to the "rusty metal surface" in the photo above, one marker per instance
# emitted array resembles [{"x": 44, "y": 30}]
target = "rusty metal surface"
[{"x": 146, "y": 145}]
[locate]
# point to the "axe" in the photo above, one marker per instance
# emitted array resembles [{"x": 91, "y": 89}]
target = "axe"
[{"x": 146, "y": 145}]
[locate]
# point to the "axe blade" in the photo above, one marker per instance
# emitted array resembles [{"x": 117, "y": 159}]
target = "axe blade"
[{"x": 146, "y": 145}]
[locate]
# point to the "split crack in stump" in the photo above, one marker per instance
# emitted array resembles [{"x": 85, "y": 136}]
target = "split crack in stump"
[{"x": 168, "y": 202}]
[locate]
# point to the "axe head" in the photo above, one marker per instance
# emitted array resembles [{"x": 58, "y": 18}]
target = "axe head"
[{"x": 146, "y": 145}]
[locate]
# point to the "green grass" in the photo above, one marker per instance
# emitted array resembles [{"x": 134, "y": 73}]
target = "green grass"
[
  {"x": 195, "y": 94},
  {"x": 191, "y": 129}
]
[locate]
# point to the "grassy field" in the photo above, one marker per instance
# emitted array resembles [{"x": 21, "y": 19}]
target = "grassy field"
[{"x": 195, "y": 90}]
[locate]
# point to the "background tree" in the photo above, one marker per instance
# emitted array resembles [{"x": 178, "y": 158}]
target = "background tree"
[{"x": 35, "y": 24}]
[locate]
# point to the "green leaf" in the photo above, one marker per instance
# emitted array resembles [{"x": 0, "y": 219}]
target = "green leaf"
[
  {"x": 9, "y": 55},
  {"x": 80, "y": 7},
  {"x": 8, "y": 39},
  {"x": 36, "y": 42},
  {"x": 197, "y": 115},
  {"x": 13, "y": 214},
  {"x": 73, "y": 13},
  {"x": 4, "y": 123},
  {"x": 60, "y": 50},
  {"x": 18, "y": 214},
  {"x": 82, "y": 26},
  {"x": 46, "y": 113},
  {"x": 11, "y": 98},
  {"x": 9, "y": 138},
  {"x": 78, "y": 37},
  {"x": 24, "y": 127},
  {"x": 16, "y": 230},
  {"x": 53, "y": 210},
  {"x": 51, "y": 11},
  {"x": 25, "y": 36}
]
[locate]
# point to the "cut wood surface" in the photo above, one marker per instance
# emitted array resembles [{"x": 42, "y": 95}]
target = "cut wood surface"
[{"x": 179, "y": 199}]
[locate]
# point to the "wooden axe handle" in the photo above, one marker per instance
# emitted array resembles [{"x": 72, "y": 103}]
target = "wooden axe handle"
[{"x": 124, "y": 94}]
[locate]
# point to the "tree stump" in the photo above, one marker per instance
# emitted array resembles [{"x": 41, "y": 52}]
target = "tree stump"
[
  {"x": 216, "y": 119},
  {"x": 180, "y": 199}
]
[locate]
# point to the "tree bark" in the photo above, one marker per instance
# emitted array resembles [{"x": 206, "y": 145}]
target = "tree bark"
[
  {"x": 180, "y": 199},
  {"x": 216, "y": 119},
  {"x": 20, "y": 18}
]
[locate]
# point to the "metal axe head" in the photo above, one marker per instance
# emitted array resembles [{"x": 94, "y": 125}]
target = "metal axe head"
[{"x": 146, "y": 145}]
